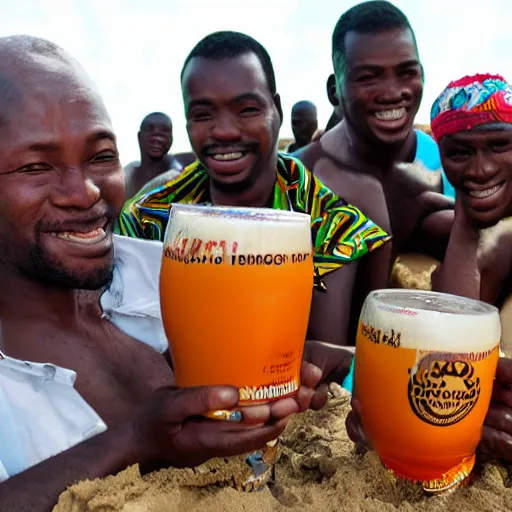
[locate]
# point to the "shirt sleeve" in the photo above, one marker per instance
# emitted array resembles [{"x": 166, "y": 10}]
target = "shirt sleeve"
[
  {"x": 341, "y": 234},
  {"x": 128, "y": 223}
]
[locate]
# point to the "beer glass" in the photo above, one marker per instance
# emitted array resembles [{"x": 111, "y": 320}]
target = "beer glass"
[
  {"x": 235, "y": 288},
  {"x": 424, "y": 374}
]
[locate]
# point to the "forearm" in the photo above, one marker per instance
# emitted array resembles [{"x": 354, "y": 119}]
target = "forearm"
[
  {"x": 38, "y": 488},
  {"x": 459, "y": 273}
]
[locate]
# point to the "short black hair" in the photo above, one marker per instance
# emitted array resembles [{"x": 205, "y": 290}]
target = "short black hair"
[
  {"x": 228, "y": 45},
  {"x": 154, "y": 114},
  {"x": 365, "y": 18}
]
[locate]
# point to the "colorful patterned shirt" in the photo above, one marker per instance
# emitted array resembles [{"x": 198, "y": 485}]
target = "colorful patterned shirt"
[{"x": 340, "y": 232}]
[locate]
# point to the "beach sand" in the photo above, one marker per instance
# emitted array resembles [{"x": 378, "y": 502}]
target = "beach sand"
[{"x": 318, "y": 471}]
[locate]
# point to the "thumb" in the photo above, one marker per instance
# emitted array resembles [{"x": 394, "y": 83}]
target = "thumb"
[{"x": 180, "y": 404}]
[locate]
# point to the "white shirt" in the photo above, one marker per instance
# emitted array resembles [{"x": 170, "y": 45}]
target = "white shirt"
[{"x": 41, "y": 413}]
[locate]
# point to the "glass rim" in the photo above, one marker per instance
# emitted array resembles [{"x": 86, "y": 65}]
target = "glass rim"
[
  {"x": 243, "y": 213},
  {"x": 479, "y": 307}
]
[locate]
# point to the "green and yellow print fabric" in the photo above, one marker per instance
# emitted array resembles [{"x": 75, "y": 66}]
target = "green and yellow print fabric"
[{"x": 340, "y": 232}]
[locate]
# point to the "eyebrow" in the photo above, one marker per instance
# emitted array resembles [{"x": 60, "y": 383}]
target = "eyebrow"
[
  {"x": 48, "y": 147},
  {"x": 203, "y": 102}
]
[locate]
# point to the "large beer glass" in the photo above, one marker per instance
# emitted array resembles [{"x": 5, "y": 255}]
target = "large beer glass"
[
  {"x": 235, "y": 287},
  {"x": 424, "y": 374}
]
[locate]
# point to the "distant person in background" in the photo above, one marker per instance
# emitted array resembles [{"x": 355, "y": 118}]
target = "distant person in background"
[
  {"x": 155, "y": 141},
  {"x": 378, "y": 80},
  {"x": 304, "y": 124}
]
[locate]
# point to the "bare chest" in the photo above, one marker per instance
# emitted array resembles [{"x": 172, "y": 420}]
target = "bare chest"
[{"x": 115, "y": 373}]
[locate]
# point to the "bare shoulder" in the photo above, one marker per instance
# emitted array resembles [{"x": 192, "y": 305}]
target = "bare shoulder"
[
  {"x": 308, "y": 154},
  {"x": 129, "y": 168},
  {"x": 496, "y": 245},
  {"x": 418, "y": 178}
]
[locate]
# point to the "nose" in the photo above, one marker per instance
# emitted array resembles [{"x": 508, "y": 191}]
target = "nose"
[
  {"x": 75, "y": 190},
  {"x": 485, "y": 166},
  {"x": 393, "y": 90},
  {"x": 226, "y": 128}
]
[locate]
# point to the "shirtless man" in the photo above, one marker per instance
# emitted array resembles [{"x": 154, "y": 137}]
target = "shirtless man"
[
  {"x": 472, "y": 122},
  {"x": 61, "y": 188},
  {"x": 379, "y": 82},
  {"x": 155, "y": 141},
  {"x": 233, "y": 120},
  {"x": 304, "y": 124}
]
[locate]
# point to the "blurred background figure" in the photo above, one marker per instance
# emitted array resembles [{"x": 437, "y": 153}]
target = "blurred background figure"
[
  {"x": 155, "y": 141},
  {"x": 304, "y": 124}
]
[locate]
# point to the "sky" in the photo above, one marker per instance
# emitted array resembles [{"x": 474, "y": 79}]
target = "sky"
[{"x": 134, "y": 49}]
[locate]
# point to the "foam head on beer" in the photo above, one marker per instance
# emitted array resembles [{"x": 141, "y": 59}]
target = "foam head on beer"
[
  {"x": 246, "y": 235},
  {"x": 433, "y": 321}
]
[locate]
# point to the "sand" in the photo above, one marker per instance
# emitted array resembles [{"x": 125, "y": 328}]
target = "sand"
[{"x": 317, "y": 471}]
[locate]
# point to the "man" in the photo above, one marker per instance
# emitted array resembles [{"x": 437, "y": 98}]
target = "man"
[
  {"x": 304, "y": 124},
  {"x": 61, "y": 188},
  {"x": 379, "y": 84},
  {"x": 233, "y": 119},
  {"x": 472, "y": 122},
  {"x": 155, "y": 141}
]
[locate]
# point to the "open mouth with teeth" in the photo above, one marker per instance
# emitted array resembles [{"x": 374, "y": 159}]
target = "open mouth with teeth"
[
  {"x": 487, "y": 192},
  {"x": 227, "y": 157},
  {"x": 391, "y": 115},
  {"x": 91, "y": 237}
]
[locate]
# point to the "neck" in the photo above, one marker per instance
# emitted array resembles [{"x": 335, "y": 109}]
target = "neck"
[
  {"x": 383, "y": 157},
  {"x": 259, "y": 195},
  {"x": 151, "y": 167},
  {"x": 24, "y": 299}
]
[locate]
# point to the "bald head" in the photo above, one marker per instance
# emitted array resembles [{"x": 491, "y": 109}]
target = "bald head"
[
  {"x": 28, "y": 64},
  {"x": 304, "y": 122}
]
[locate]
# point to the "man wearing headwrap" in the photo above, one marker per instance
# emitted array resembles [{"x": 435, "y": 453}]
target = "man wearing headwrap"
[{"x": 472, "y": 122}]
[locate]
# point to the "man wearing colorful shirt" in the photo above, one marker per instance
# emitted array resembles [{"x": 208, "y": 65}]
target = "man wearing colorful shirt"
[{"x": 233, "y": 120}]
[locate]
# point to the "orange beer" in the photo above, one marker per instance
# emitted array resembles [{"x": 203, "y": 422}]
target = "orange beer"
[
  {"x": 424, "y": 374},
  {"x": 236, "y": 287}
]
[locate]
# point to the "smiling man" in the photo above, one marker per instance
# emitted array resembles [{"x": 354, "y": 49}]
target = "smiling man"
[
  {"x": 82, "y": 395},
  {"x": 155, "y": 141},
  {"x": 378, "y": 81},
  {"x": 233, "y": 119},
  {"x": 472, "y": 120}
]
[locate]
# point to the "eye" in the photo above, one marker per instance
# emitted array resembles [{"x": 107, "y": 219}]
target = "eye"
[
  {"x": 458, "y": 154},
  {"x": 200, "y": 115},
  {"x": 409, "y": 73},
  {"x": 35, "y": 168},
  {"x": 501, "y": 145},
  {"x": 106, "y": 157},
  {"x": 361, "y": 79},
  {"x": 249, "y": 111}
]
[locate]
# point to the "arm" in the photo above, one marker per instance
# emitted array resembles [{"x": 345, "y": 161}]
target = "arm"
[
  {"x": 459, "y": 273},
  {"x": 330, "y": 310},
  {"x": 373, "y": 274},
  {"x": 433, "y": 230},
  {"x": 39, "y": 487},
  {"x": 167, "y": 428}
]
